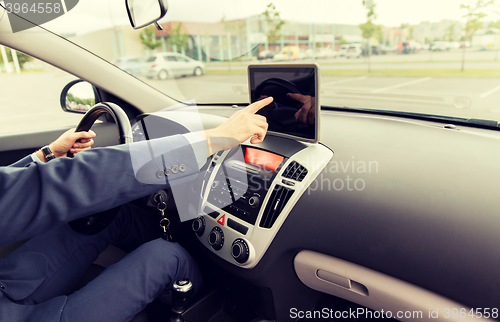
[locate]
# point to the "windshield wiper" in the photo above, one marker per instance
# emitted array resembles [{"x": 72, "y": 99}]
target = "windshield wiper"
[{"x": 483, "y": 123}]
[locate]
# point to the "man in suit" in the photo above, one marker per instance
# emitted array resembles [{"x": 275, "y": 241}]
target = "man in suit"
[{"x": 38, "y": 198}]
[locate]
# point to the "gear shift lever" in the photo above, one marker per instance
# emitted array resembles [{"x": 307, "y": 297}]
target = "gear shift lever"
[{"x": 181, "y": 291}]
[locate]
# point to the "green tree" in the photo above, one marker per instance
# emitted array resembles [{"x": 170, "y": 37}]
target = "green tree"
[
  {"x": 411, "y": 29},
  {"x": 178, "y": 38},
  {"x": 238, "y": 28},
  {"x": 369, "y": 29},
  {"x": 495, "y": 24},
  {"x": 21, "y": 58},
  {"x": 474, "y": 21},
  {"x": 274, "y": 23},
  {"x": 148, "y": 38},
  {"x": 450, "y": 33}
]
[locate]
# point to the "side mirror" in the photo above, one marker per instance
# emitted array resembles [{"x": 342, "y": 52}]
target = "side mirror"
[
  {"x": 78, "y": 97},
  {"x": 145, "y": 12}
]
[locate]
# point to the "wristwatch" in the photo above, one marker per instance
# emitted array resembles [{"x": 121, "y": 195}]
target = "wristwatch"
[{"x": 47, "y": 153}]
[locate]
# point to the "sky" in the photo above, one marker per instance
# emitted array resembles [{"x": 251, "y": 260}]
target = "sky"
[{"x": 91, "y": 15}]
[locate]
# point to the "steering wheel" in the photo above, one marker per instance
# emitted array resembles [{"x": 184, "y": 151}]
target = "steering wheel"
[
  {"x": 281, "y": 86},
  {"x": 278, "y": 88},
  {"x": 95, "y": 223}
]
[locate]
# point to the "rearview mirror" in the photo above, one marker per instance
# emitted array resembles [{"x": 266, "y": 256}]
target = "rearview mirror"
[
  {"x": 78, "y": 97},
  {"x": 145, "y": 12}
]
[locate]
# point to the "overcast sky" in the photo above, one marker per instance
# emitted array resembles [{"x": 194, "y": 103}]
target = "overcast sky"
[{"x": 91, "y": 15}]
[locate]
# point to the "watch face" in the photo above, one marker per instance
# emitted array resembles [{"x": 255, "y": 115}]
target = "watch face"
[{"x": 47, "y": 153}]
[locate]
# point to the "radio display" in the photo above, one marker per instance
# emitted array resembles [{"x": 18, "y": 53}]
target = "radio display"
[{"x": 267, "y": 160}]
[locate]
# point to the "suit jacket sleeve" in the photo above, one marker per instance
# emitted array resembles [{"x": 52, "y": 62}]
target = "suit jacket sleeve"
[
  {"x": 23, "y": 162},
  {"x": 41, "y": 196}
]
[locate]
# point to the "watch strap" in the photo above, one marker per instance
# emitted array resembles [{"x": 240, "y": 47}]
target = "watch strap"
[{"x": 47, "y": 153}]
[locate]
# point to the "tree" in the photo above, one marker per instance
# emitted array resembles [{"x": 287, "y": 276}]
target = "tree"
[
  {"x": 274, "y": 23},
  {"x": 178, "y": 38},
  {"x": 238, "y": 28},
  {"x": 369, "y": 29},
  {"x": 450, "y": 33},
  {"x": 411, "y": 29},
  {"x": 474, "y": 21},
  {"x": 495, "y": 24},
  {"x": 148, "y": 38},
  {"x": 21, "y": 58}
]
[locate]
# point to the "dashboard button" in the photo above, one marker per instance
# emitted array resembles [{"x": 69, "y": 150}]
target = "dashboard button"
[
  {"x": 231, "y": 223},
  {"x": 212, "y": 213},
  {"x": 242, "y": 229}
]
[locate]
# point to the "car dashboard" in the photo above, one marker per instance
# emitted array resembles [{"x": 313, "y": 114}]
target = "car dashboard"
[{"x": 385, "y": 212}]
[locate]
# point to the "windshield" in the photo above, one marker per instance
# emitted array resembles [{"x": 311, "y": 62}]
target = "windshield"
[{"x": 430, "y": 57}]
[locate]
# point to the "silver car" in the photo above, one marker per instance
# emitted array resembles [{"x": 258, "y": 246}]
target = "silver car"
[{"x": 166, "y": 65}]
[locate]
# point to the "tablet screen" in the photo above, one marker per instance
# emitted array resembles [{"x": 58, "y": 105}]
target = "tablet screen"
[{"x": 294, "y": 87}]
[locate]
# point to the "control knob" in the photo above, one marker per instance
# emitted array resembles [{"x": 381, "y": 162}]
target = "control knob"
[
  {"x": 216, "y": 238},
  {"x": 254, "y": 201},
  {"x": 240, "y": 251},
  {"x": 198, "y": 226}
]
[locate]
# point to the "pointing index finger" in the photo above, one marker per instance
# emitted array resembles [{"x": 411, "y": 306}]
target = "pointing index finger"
[{"x": 253, "y": 108}]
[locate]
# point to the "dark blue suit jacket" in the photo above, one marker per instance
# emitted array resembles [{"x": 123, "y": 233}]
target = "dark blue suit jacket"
[{"x": 36, "y": 197}]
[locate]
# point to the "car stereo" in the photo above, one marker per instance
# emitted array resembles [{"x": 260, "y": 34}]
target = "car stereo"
[{"x": 240, "y": 186}]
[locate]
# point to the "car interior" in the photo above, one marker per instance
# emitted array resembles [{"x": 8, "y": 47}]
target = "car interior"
[{"x": 280, "y": 232}]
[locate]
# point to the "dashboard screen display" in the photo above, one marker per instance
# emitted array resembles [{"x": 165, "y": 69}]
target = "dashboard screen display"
[
  {"x": 267, "y": 160},
  {"x": 294, "y": 87}
]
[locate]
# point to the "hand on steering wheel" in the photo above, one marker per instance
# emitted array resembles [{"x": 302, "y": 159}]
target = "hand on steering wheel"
[{"x": 73, "y": 142}]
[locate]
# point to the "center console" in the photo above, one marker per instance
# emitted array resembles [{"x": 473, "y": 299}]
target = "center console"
[{"x": 249, "y": 191}]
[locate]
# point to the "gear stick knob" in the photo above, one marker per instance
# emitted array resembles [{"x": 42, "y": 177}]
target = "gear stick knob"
[{"x": 181, "y": 291}]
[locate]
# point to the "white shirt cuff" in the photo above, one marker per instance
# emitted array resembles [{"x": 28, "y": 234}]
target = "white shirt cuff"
[{"x": 35, "y": 157}]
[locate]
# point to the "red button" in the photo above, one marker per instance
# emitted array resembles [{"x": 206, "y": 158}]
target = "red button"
[{"x": 221, "y": 220}]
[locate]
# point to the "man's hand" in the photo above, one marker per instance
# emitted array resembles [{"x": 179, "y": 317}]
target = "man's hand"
[
  {"x": 241, "y": 126},
  {"x": 67, "y": 143},
  {"x": 306, "y": 114}
]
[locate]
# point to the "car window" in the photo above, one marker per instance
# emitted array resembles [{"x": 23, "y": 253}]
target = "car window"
[
  {"x": 430, "y": 58},
  {"x": 30, "y": 93},
  {"x": 171, "y": 58},
  {"x": 182, "y": 59}
]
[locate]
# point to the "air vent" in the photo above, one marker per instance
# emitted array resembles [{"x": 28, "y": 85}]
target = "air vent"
[
  {"x": 295, "y": 171},
  {"x": 277, "y": 202}
]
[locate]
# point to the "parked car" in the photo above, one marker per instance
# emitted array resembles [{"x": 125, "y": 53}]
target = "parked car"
[
  {"x": 266, "y": 54},
  {"x": 288, "y": 53},
  {"x": 343, "y": 50},
  {"x": 440, "y": 46},
  {"x": 354, "y": 51},
  {"x": 166, "y": 65},
  {"x": 455, "y": 45},
  {"x": 465, "y": 44},
  {"x": 131, "y": 65},
  {"x": 329, "y": 53}
]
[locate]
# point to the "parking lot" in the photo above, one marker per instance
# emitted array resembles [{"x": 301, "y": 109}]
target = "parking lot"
[{"x": 30, "y": 101}]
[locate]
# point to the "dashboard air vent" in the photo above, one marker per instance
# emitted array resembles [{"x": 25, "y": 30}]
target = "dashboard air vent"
[
  {"x": 295, "y": 171},
  {"x": 277, "y": 202}
]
